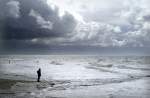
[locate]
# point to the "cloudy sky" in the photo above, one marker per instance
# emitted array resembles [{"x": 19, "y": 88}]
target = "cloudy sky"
[{"x": 75, "y": 26}]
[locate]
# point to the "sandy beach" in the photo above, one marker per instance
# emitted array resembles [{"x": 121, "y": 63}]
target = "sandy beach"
[
  {"x": 64, "y": 89},
  {"x": 74, "y": 77}
]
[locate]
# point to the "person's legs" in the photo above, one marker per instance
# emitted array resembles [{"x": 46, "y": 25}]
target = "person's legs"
[{"x": 38, "y": 80}]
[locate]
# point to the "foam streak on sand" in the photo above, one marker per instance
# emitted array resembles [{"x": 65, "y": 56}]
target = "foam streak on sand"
[{"x": 74, "y": 77}]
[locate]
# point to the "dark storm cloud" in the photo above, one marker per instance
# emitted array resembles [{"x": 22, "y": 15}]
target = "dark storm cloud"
[
  {"x": 27, "y": 26},
  {"x": 35, "y": 26}
]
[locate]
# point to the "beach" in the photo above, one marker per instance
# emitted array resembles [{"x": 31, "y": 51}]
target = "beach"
[{"x": 74, "y": 77}]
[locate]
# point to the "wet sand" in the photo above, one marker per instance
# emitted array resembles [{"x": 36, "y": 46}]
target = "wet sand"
[
  {"x": 74, "y": 89},
  {"x": 75, "y": 77}
]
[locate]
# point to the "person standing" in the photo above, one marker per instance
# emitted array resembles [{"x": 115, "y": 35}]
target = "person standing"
[{"x": 39, "y": 74}]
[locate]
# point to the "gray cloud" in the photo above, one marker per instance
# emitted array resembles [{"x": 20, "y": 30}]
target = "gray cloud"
[
  {"x": 70, "y": 23},
  {"x": 41, "y": 21},
  {"x": 126, "y": 25},
  {"x": 37, "y": 20},
  {"x": 13, "y": 8}
]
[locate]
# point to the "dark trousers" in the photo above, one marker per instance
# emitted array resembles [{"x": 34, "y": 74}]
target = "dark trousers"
[{"x": 38, "y": 80}]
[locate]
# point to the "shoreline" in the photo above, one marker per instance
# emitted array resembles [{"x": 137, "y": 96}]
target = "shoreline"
[
  {"x": 8, "y": 83},
  {"x": 14, "y": 88}
]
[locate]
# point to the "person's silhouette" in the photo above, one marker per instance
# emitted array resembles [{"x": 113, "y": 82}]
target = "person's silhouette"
[{"x": 39, "y": 74}]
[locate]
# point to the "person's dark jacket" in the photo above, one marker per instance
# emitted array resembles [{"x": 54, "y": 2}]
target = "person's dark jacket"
[{"x": 39, "y": 72}]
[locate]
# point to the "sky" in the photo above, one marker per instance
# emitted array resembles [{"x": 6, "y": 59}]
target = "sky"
[{"x": 103, "y": 27}]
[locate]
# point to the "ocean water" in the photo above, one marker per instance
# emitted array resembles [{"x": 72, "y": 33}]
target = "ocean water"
[
  {"x": 77, "y": 76},
  {"x": 73, "y": 67}
]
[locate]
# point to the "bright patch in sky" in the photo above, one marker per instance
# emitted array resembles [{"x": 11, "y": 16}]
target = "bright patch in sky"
[
  {"x": 118, "y": 18},
  {"x": 66, "y": 6}
]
